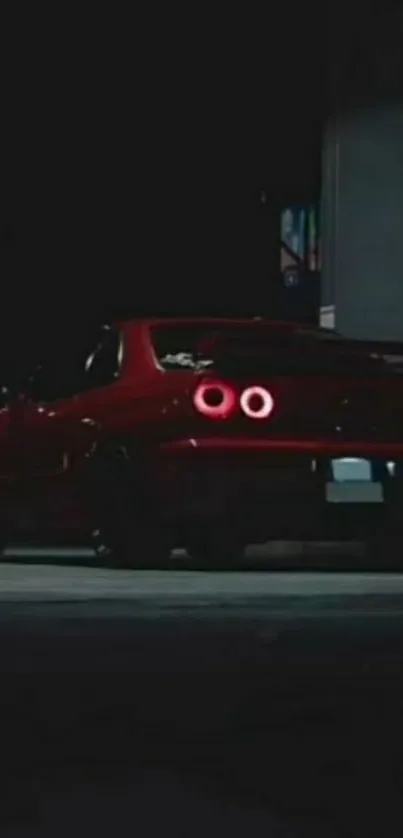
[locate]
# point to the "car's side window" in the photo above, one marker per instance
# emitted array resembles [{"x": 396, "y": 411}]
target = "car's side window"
[{"x": 79, "y": 371}]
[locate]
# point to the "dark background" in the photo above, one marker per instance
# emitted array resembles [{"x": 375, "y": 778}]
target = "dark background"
[
  {"x": 135, "y": 152},
  {"x": 136, "y": 156}
]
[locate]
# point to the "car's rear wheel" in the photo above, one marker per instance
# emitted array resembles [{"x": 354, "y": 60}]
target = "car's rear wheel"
[
  {"x": 7, "y": 526},
  {"x": 384, "y": 549},
  {"x": 116, "y": 548},
  {"x": 384, "y": 552},
  {"x": 127, "y": 531},
  {"x": 4, "y": 540},
  {"x": 215, "y": 548},
  {"x": 384, "y": 546}
]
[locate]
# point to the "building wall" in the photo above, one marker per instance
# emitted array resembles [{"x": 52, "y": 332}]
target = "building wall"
[{"x": 362, "y": 178}]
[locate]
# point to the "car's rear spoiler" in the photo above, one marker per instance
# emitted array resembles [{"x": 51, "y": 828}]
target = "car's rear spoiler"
[
  {"x": 376, "y": 347},
  {"x": 390, "y": 352},
  {"x": 370, "y": 356}
]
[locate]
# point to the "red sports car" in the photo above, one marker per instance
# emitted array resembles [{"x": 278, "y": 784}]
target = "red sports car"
[{"x": 208, "y": 434}]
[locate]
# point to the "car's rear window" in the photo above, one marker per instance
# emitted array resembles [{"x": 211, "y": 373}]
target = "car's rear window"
[{"x": 270, "y": 350}]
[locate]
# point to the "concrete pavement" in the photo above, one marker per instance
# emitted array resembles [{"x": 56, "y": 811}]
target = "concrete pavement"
[
  {"x": 267, "y": 703},
  {"x": 65, "y": 582},
  {"x": 259, "y": 595}
]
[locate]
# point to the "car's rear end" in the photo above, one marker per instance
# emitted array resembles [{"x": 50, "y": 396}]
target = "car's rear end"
[{"x": 281, "y": 432}]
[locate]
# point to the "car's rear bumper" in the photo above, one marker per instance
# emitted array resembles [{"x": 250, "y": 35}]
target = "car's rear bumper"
[
  {"x": 272, "y": 490},
  {"x": 267, "y": 488}
]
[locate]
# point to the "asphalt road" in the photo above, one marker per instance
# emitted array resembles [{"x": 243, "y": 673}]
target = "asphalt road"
[
  {"x": 264, "y": 596},
  {"x": 261, "y": 703}
]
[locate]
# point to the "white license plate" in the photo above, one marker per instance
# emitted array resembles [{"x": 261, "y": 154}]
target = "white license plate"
[
  {"x": 354, "y": 492},
  {"x": 352, "y": 482}
]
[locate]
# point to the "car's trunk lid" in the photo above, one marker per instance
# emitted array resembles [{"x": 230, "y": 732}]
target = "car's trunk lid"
[{"x": 334, "y": 389}]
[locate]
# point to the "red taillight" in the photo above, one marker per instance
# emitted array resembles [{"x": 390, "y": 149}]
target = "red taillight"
[
  {"x": 257, "y": 403},
  {"x": 215, "y": 399}
]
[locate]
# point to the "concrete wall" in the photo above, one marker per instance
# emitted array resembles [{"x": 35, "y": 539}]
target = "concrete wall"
[{"x": 363, "y": 222}]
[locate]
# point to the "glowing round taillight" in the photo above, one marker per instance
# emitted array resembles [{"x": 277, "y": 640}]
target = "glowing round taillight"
[
  {"x": 215, "y": 399},
  {"x": 257, "y": 402}
]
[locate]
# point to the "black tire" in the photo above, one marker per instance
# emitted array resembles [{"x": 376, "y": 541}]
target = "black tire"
[
  {"x": 4, "y": 540},
  {"x": 116, "y": 548},
  {"x": 128, "y": 533},
  {"x": 6, "y": 533},
  {"x": 215, "y": 549},
  {"x": 384, "y": 546},
  {"x": 384, "y": 551}
]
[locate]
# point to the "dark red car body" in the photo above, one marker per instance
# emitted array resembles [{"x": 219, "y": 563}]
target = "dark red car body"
[{"x": 266, "y": 475}]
